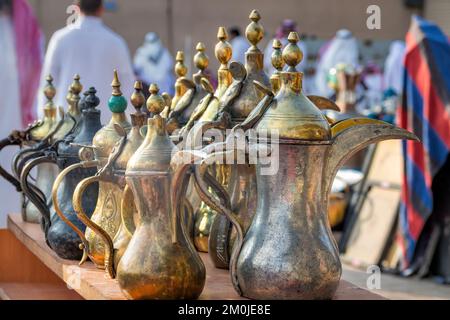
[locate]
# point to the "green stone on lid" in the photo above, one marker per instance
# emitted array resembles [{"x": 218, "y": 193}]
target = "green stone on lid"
[{"x": 117, "y": 103}]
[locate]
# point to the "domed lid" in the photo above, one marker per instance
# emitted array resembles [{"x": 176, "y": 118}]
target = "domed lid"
[
  {"x": 292, "y": 114},
  {"x": 106, "y": 138},
  {"x": 155, "y": 153}
]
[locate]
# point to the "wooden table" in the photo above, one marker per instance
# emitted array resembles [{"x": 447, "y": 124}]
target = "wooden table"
[{"x": 92, "y": 283}]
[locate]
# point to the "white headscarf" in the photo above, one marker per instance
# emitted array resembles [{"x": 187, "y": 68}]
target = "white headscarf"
[
  {"x": 342, "y": 49},
  {"x": 393, "y": 67}
]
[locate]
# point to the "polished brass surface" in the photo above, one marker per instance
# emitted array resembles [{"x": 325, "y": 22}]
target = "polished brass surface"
[
  {"x": 289, "y": 252},
  {"x": 160, "y": 261},
  {"x": 278, "y": 64}
]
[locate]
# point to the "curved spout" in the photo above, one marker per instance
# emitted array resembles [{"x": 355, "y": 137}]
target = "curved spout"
[{"x": 352, "y": 135}]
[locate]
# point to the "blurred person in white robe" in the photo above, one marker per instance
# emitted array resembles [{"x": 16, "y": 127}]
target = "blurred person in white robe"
[
  {"x": 89, "y": 48},
  {"x": 393, "y": 67},
  {"x": 20, "y": 65},
  {"x": 153, "y": 63},
  {"x": 239, "y": 44},
  {"x": 342, "y": 49}
]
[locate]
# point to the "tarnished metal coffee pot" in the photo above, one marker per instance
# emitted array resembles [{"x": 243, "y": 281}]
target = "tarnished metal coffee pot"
[
  {"x": 36, "y": 136},
  {"x": 59, "y": 235},
  {"x": 289, "y": 251},
  {"x": 114, "y": 172},
  {"x": 107, "y": 203},
  {"x": 160, "y": 261}
]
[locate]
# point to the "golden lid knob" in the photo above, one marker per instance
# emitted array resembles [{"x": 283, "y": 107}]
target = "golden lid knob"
[
  {"x": 277, "y": 56},
  {"x": 223, "y": 49},
  {"x": 292, "y": 54},
  {"x": 254, "y": 31},
  {"x": 155, "y": 103},
  {"x": 201, "y": 60},
  {"x": 49, "y": 89},
  {"x": 180, "y": 67},
  {"x": 137, "y": 97},
  {"x": 76, "y": 86}
]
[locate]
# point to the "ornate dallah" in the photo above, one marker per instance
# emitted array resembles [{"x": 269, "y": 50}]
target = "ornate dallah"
[{"x": 289, "y": 251}]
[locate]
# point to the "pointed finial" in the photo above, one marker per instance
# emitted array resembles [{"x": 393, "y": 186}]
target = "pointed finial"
[
  {"x": 91, "y": 101},
  {"x": 254, "y": 31},
  {"x": 155, "y": 103},
  {"x": 180, "y": 67},
  {"x": 76, "y": 86},
  {"x": 277, "y": 56},
  {"x": 292, "y": 54},
  {"x": 117, "y": 103},
  {"x": 116, "y": 85},
  {"x": 49, "y": 89},
  {"x": 223, "y": 50},
  {"x": 137, "y": 98},
  {"x": 201, "y": 60},
  {"x": 75, "y": 89}
]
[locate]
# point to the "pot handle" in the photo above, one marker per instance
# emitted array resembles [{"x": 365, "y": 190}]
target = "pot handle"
[
  {"x": 5, "y": 174},
  {"x": 33, "y": 193},
  {"x": 204, "y": 179},
  {"x": 81, "y": 214},
  {"x": 84, "y": 164}
]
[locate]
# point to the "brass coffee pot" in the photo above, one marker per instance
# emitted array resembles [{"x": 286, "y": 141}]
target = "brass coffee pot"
[
  {"x": 160, "y": 261},
  {"x": 35, "y": 136},
  {"x": 107, "y": 208},
  {"x": 235, "y": 104},
  {"x": 65, "y": 154},
  {"x": 289, "y": 251},
  {"x": 114, "y": 172}
]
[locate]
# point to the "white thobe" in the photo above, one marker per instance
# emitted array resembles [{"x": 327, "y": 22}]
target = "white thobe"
[
  {"x": 11, "y": 118},
  {"x": 92, "y": 50},
  {"x": 240, "y": 46}
]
